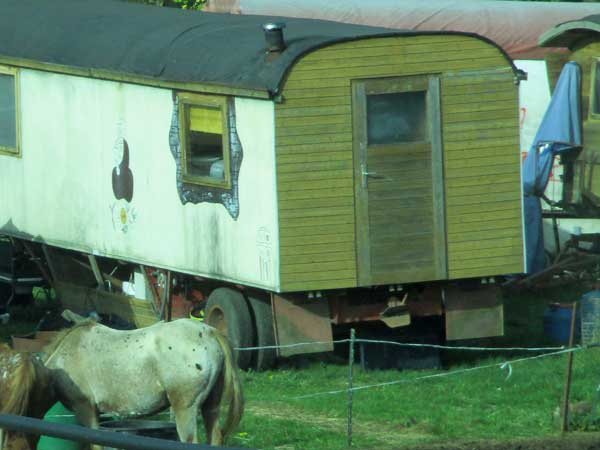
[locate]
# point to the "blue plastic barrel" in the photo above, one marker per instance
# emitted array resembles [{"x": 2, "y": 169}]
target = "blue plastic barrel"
[
  {"x": 590, "y": 318},
  {"x": 557, "y": 323}
]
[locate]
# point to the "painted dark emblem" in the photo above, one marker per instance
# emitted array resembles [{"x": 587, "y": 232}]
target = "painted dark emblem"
[
  {"x": 122, "y": 176},
  {"x": 122, "y": 210}
]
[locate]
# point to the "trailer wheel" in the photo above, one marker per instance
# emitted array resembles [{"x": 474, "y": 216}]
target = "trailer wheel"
[
  {"x": 227, "y": 311},
  {"x": 263, "y": 359},
  {"x": 5, "y": 293}
]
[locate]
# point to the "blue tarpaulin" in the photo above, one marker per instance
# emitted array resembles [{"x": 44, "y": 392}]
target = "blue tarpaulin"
[{"x": 559, "y": 131}]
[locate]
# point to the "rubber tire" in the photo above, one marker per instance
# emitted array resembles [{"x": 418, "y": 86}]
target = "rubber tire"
[
  {"x": 233, "y": 306},
  {"x": 5, "y": 292},
  {"x": 263, "y": 321}
]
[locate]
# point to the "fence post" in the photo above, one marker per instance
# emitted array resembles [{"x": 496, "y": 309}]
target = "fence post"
[
  {"x": 350, "y": 384},
  {"x": 565, "y": 418}
]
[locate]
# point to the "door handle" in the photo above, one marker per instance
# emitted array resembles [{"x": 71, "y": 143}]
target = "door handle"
[{"x": 365, "y": 174}]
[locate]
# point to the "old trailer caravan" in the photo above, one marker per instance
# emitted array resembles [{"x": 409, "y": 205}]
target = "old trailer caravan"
[
  {"x": 298, "y": 174},
  {"x": 582, "y": 38},
  {"x": 516, "y": 26}
]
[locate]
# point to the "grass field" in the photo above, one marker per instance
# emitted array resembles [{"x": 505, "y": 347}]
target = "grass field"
[
  {"x": 477, "y": 405},
  {"x": 482, "y": 404}
]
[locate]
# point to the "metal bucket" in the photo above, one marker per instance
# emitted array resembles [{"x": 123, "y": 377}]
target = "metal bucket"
[
  {"x": 590, "y": 318},
  {"x": 149, "y": 428}
]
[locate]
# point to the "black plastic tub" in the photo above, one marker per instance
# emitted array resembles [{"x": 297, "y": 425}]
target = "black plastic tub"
[{"x": 150, "y": 428}]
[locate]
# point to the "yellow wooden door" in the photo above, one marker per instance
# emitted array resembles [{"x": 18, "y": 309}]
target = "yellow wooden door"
[{"x": 398, "y": 180}]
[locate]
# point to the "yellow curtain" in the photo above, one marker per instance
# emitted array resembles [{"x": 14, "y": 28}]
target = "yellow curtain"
[{"x": 207, "y": 120}]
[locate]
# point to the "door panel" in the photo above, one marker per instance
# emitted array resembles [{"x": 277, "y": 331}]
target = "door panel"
[{"x": 398, "y": 180}]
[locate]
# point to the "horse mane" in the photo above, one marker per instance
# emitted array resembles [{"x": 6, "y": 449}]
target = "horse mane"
[
  {"x": 54, "y": 345},
  {"x": 25, "y": 390},
  {"x": 17, "y": 378}
]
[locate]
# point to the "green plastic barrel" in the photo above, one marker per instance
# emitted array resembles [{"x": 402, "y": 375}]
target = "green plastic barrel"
[{"x": 58, "y": 414}]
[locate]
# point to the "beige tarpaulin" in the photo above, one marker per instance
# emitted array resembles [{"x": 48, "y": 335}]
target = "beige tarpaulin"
[{"x": 515, "y": 26}]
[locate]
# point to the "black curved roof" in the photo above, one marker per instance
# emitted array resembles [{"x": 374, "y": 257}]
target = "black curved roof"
[{"x": 163, "y": 43}]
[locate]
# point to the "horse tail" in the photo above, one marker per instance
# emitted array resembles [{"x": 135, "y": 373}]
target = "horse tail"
[
  {"x": 20, "y": 383},
  {"x": 232, "y": 387}
]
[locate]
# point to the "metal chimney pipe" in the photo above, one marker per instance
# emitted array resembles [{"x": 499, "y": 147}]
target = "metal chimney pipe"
[{"x": 274, "y": 37}]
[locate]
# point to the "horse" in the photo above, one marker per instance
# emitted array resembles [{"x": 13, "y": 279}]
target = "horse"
[
  {"x": 26, "y": 390},
  {"x": 185, "y": 364}
]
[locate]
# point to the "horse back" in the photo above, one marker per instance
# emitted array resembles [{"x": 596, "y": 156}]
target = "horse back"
[{"x": 105, "y": 365}]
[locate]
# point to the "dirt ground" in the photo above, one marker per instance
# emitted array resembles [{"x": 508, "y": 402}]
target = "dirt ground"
[{"x": 571, "y": 441}]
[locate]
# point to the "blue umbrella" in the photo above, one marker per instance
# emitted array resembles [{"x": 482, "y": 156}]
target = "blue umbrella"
[{"x": 560, "y": 131}]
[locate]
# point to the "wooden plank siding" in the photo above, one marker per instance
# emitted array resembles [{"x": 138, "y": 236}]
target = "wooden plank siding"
[
  {"x": 315, "y": 163},
  {"x": 82, "y": 299}
]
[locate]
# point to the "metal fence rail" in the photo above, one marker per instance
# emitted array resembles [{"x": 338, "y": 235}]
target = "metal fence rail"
[{"x": 91, "y": 436}]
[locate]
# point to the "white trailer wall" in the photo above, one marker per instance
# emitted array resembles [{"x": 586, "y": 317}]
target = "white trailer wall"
[{"x": 60, "y": 190}]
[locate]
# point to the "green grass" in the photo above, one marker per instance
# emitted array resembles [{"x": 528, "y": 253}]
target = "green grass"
[
  {"x": 478, "y": 405},
  {"x": 481, "y": 404}
]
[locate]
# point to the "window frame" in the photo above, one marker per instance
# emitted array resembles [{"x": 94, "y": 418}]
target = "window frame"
[
  {"x": 14, "y": 151},
  {"x": 591, "y": 115},
  {"x": 186, "y": 101}
]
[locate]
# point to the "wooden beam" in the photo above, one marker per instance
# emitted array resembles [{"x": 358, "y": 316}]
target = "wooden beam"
[
  {"x": 37, "y": 262},
  {"x": 97, "y": 273},
  {"x": 114, "y": 281},
  {"x": 50, "y": 263},
  {"x": 155, "y": 297}
]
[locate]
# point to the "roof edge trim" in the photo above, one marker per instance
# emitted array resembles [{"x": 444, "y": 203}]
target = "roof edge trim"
[
  {"x": 562, "y": 36},
  {"x": 301, "y": 55},
  {"x": 109, "y": 75}
]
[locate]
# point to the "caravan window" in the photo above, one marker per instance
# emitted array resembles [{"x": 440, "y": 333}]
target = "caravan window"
[
  {"x": 204, "y": 139},
  {"x": 9, "y": 136}
]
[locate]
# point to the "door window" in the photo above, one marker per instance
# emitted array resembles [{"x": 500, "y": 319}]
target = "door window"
[{"x": 396, "y": 117}]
